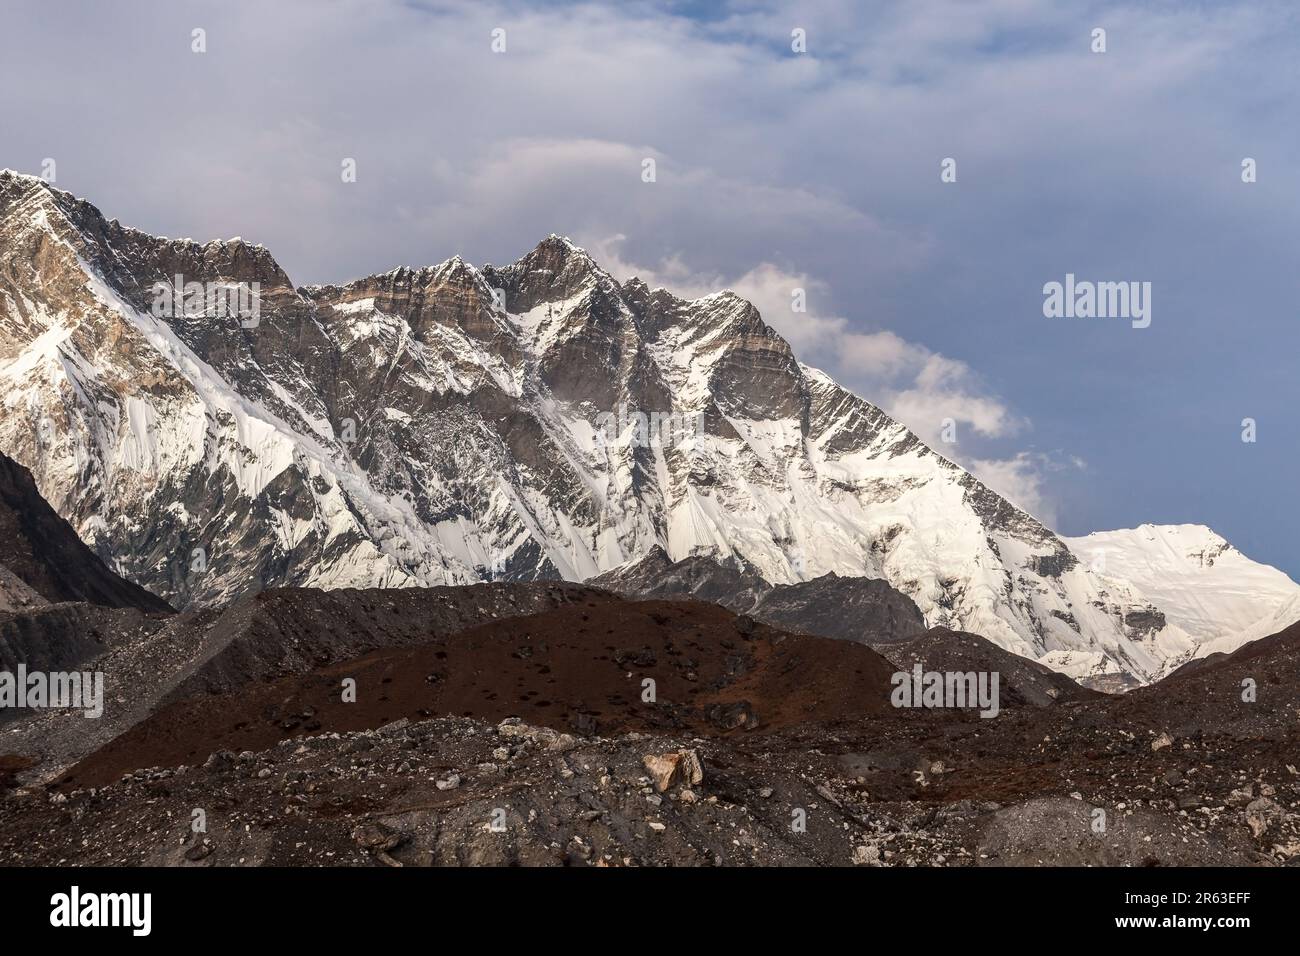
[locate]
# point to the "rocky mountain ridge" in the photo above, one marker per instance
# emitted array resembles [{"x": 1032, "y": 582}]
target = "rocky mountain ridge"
[{"x": 443, "y": 425}]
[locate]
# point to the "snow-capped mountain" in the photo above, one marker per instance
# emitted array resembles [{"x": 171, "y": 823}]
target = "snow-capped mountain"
[
  {"x": 452, "y": 423},
  {"x": 1200, "y": 581}
]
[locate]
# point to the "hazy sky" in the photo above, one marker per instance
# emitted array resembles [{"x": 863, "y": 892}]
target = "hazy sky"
[{"x": 774, "y": 170}]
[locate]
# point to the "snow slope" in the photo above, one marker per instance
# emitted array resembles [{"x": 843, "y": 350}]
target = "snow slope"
[{"x": 1201, "y": 582}]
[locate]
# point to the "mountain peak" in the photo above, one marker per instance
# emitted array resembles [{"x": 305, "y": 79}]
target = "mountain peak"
[
  {"x": 1176, "y": 536},
  {"x": 29, "y": 191},
  {"x": 14, "y": 177},
  {"x": 456, "y": 267},
  {"x": 564, "y": 241},
  {"x": 559, "y": 255}
]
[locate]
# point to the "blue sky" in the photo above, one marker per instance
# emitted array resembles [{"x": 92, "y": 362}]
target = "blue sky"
[{"x": 775, "y": 170}]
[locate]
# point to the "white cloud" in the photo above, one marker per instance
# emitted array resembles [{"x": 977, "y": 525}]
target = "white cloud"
[
  {"x": 1019, "y": 479},
  {"x": 1022, "y": 479}
]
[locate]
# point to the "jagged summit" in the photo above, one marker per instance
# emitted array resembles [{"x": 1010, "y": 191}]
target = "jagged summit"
[
  {"x": 33, "y": 191},
  {"x": 407, "y": 429},
  {"x": 128, "y": 258},
  {"x": 13, "y": 180},
  {"x": 563, "y": 243}
]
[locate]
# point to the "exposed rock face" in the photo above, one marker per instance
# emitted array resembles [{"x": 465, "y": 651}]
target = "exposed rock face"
[
  {"x": 853, "y": 609},
  {"x": 662, "y": 769},
  {"x": 729, "y": 582},
  {"x": 443, "y": 425},
  {"x": 682, "y": 767},
  {"x": 865, "y": 610}
]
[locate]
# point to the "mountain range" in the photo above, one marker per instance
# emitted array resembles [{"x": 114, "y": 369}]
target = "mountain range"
[{"x": 453, "y": 424}]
